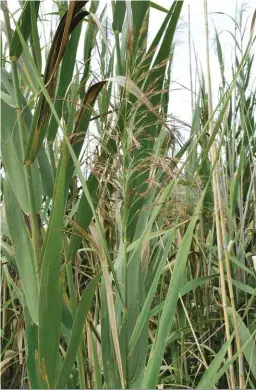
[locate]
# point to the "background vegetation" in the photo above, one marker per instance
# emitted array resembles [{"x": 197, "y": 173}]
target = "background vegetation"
[{"x": 127, "y": 253}]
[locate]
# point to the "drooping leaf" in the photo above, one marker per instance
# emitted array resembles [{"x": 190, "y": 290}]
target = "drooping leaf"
[
  {"x": 38, "y": 128},
  {"x": 23, "y": 250}
]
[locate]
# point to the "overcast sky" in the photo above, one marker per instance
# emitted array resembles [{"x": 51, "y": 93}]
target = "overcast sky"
[{"x": 181, "y": 99}]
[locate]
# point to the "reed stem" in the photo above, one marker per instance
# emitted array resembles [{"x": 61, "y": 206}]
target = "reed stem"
[{"x": 216, "y": 190}]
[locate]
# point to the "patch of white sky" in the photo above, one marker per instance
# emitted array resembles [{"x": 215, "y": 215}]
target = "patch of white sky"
[{"x": 219, "y": 17}]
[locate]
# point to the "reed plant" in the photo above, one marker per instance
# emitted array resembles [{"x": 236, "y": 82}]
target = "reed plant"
[{"x": 127, "y": 250}]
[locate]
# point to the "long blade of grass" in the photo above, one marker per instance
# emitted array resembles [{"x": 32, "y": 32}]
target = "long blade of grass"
[
  {"x": 143, "y": 317},
  {"x": 165, "y": 322},
  {"x": 77, "y": 331},
  {"x": 250, "y": 348},
  {"x": 50, "y": 299},
  {"x": 24, "y": 26},
  {"x": 209, "y": 378}
]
